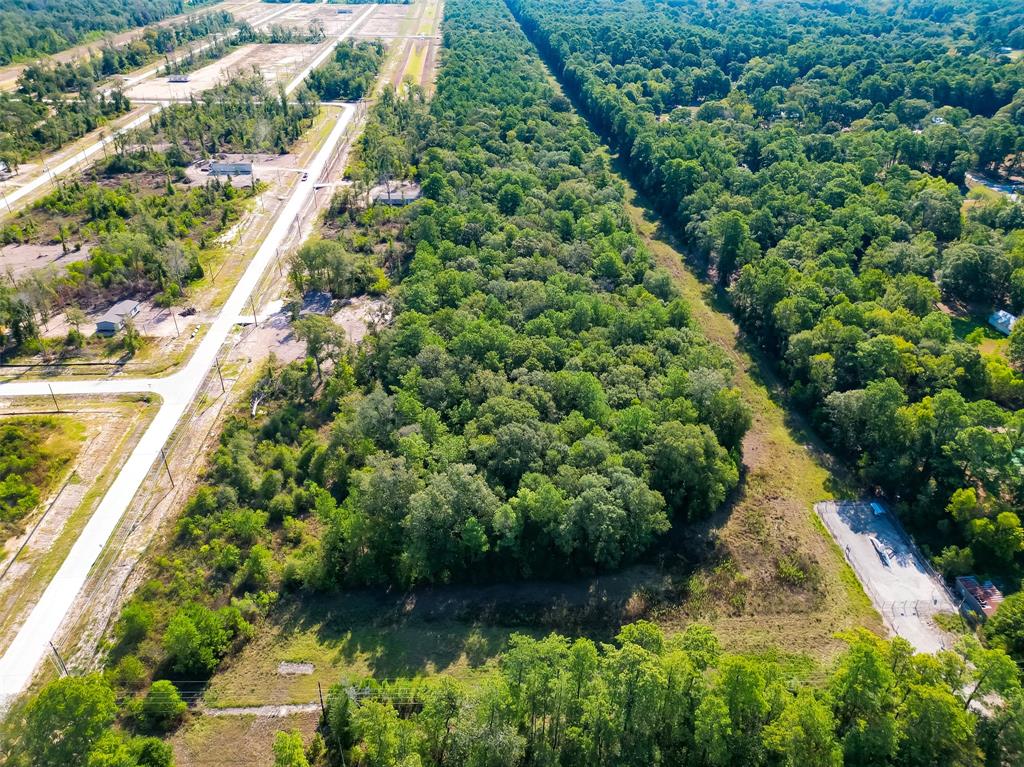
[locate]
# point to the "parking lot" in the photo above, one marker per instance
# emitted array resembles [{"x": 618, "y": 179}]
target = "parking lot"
[{"x": 891, "y": 571}]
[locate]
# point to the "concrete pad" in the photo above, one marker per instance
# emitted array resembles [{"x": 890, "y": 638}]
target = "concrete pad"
[{"x": 900, "y": 584}]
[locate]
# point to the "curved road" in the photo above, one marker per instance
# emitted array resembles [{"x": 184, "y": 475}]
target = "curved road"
[{"x": 19, "y": 662}]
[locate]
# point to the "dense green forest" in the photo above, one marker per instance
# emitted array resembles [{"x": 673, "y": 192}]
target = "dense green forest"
[
  {"x": 808, "y": 155},
  {"x": 646, "y": 700},
  {"x": 351, "y": 74},
  {"x": 36, "y": 27},
  {"x": 541, "y": 405}
]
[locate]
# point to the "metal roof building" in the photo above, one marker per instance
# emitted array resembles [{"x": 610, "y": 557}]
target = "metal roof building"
[
  {"x": 1002, "y": 321},
  {"x": 113, "y": 319}
]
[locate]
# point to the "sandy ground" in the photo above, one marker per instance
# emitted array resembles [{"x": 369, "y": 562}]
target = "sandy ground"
[
  {"x": 360, "y": 315},
  {"x": 274, "y": 62},
  {"x": 17, "y": 261},
  {"x": 899, "y": 584}
]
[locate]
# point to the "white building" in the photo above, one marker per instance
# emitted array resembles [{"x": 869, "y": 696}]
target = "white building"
[
  {"x": 1002, "y": 321},
  {"x": 114, "y": 318}
]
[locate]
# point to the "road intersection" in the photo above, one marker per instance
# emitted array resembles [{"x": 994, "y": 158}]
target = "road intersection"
[
  {"x": 177, "y": 392},
  {"x": 20, "y": 196}
]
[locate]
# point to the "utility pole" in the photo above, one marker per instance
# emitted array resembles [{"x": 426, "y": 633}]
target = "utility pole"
[
  {"x": 60, "y": 660},
  {"x": 53, "y": 397},
  {"x": 176, "y": 331},
  {"x": 220, "y": 375},
  {"x": 166, "y": 467},
  {"x": 255, "y": 318}
]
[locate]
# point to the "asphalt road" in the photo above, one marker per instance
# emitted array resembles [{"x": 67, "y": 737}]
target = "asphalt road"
[
  {"x": 177, "y": 391},
  {"x": 14, "y": 198}
]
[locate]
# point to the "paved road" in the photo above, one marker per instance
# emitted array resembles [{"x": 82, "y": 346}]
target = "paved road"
[
  {"x": 24, "y": 654},
  {"x": 16, "y": 197}
]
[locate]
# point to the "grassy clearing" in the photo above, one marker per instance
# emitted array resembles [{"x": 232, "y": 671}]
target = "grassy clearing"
[
  {"x": 414, "y": 64},
  {"x": 974, "y": 323},
  {"x": 352, "y": 642},
  {"x": 234, "y": 739},
  {"x": 35, "y": 452}
]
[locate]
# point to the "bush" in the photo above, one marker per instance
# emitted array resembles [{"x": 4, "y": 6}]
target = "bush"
[
  {"x": 130, "y": 673},
  {"x": 134, "y": 624},
  {"x": 197, "y": 638},
  {"x": 162, "y": 709}
]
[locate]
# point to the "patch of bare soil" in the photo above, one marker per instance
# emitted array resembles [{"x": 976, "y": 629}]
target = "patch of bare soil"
[
  {"x": 361, "y": 315},
  {"x": 20, "y": 260}
]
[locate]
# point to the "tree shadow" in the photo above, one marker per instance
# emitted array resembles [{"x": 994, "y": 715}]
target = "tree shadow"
[{"x": 426, "y": 629}]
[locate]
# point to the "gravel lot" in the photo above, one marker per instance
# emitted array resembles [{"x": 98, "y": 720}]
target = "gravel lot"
[{"x": 899, "y": 583}]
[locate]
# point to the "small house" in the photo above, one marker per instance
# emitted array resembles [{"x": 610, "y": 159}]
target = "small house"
[
  {"x": 218, "y": 168},
  {"x": 1002, "y": 321},
  {"x": 399, "y": 195},
  {"x": 982, "y": 599},
  {"x": 114, "y": 318}
]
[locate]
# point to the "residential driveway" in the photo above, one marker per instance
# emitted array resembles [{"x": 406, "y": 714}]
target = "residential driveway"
[{"x": 899, "y": 583}]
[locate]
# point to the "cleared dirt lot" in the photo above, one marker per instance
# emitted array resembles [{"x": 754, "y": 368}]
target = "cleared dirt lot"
[
  {"x": 898, "y": 582},
  {"x": 18, "y": 261},
  {"x": 275, "y": 62}
]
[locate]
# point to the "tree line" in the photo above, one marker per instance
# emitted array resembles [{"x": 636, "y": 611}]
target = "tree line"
[
  {"x": 352, "y": 72},
  {"x": 28, "y": 31},
  {"x": 643, "y": 699},
  {"x": 790, "y": 164}
]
